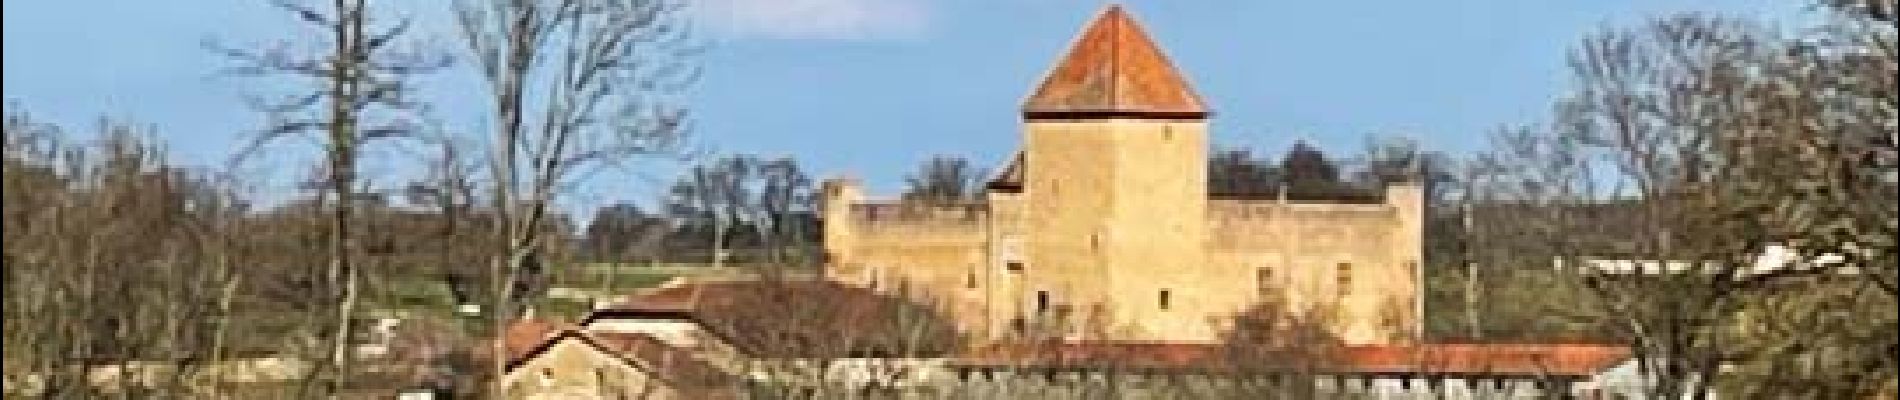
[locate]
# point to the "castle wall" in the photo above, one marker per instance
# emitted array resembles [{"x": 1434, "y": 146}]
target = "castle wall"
[
  {"x": 933, "y": 254},
  {"x": 1103, "y": 229},
  {"x": 1350, "y": 266}
]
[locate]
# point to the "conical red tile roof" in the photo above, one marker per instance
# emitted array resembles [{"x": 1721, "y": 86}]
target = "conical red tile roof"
[{"x": 1114, "y": 70}]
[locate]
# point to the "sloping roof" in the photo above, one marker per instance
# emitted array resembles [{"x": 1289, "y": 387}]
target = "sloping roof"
[
  {"x": 680, "y": 369},
  {"x": 1114, "y": 70},
  {"x": 1486, "y": 359},
  {"x": 675, "y": 299},
  {"x": 1010, "y": 177},
  {"x": 522, "y": 337},
  {"x": 1527, "y": 360},
  {"x": 1124, "y": 354},
  {"x": 791, "y": 317}
]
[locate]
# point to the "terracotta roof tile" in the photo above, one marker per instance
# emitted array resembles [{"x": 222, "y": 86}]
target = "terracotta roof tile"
[
  {"x": 679, "y": 367},
  {"x": 521, "y": 338},
  {"x": 780, "y": 318},
  {"x": 1434, "y": 359},
  {"x": 1114, "y": 69},
  {"x": 1487, "y": 359},
  {"x": 1106, "y": 354}
]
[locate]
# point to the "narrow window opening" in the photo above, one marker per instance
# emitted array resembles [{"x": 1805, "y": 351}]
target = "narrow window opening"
[
  {"x": 1166, "y": 298},
  {"x": 1042, "y": 301},
  {"x": 1014, "y": 266},
  {"x": 969, "y": 281},
  {"x": 1345, "y": 279},
  {"x": 1263, "y": 280}
]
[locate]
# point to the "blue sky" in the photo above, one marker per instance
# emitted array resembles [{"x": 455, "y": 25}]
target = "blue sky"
[{"x": 871, "y": 87}]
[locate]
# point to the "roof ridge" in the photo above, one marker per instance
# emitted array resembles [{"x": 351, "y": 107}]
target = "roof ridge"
[{"x": 1113, "y": 69}]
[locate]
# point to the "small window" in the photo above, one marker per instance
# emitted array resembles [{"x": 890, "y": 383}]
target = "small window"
[
  {"x": 1014, "y": 266},
  {"x": 1166, "y": 299},
  {"x": 969, "y": 282},
  {"x": 1042, "y": 301},
  {"x": 1345, "y": 279},
  {"x": 1263, "y": 280}
]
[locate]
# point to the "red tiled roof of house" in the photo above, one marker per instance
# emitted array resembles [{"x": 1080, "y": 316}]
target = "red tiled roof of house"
[
  {"x": 1486, "y": 359},
  {"x": 522, "y": 337},
  {"x": 678, "y": 367},
  {"x": 1114, "y": 69},
  {"x": 1436, "y": 359},
  {"x": 672, "y": 297},
  {"x": 1116, "y": 354},
  {"x": 782, "y": 318}
]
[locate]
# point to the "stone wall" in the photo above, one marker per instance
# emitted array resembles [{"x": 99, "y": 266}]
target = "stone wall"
[
  {"x": 1355, "y": 263},
  {"x": 1115, "y": 228},
  {"x": 932, "y": 253},
  {"x": 574, "y": 370}
]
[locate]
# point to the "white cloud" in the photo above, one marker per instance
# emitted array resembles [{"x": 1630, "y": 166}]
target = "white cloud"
[{"x": 815, "y": 19}]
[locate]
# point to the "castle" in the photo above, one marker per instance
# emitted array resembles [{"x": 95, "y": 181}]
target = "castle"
[
  {"x": 1101, "y": 226},
  {"x": 1100, "y": 233}
]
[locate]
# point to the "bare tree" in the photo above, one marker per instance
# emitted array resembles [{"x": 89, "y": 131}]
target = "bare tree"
[
  {"x": 712, "y": 202},
  {"x": 1238, "y": 172},
  {"x": 787, "y": 212},
  {"x": 944, "y": 179},
  {"x": 122, "y": 273},
  {"x": 1275, "y": 339},
  {"x": 621, "y": 231},
  {"x": 1693, "y": 146},
  {"x": 1306, "y": 170},
  {"x": 575, "y": 85},
  {"x": 356, "y": 94}
]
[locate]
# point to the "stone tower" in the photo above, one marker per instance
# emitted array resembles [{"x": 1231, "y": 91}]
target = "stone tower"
[{"x": 1114, "y": 190}]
